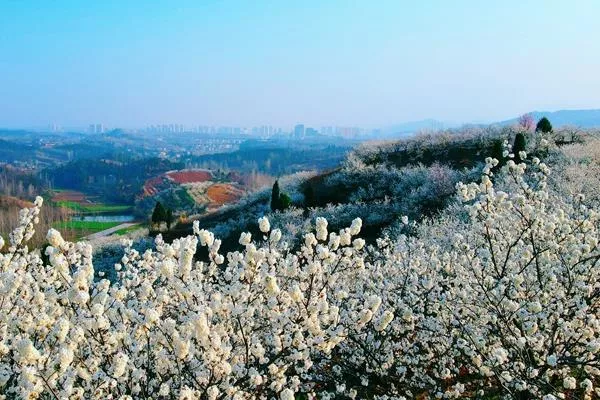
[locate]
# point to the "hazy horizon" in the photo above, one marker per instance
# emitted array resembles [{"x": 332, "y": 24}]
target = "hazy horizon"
[{"x": 340, "y": 63}]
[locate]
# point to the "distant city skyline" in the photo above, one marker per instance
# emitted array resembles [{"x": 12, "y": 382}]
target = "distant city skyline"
[
  {"x": 573, "y": 117},
  {"x": 370, "y": 64},
  {"x": 297, "y": 131}
]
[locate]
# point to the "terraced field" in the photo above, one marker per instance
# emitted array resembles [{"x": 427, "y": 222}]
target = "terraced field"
[
  {"x": 207, "y": 190},
  {"x": 81, "y": 203}
]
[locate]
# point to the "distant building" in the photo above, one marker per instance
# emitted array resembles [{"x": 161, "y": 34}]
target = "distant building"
[
  {"x": 311, "y": 132},
  {"x": 299, "y": 131},
  {"x": 55, "y": 128},
  {"x": 96, "y": 128}
]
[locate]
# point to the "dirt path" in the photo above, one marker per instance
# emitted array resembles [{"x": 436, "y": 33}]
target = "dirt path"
[{"x": 109, "y": 231}]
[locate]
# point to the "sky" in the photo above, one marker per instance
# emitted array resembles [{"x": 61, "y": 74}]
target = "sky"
[{"x": 130, "y": 63}]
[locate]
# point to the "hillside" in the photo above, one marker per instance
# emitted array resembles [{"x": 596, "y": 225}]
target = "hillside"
[
  {"x": 190, "y": 191},
  {"x": 406, "y": 128},
  {"x": 378, "y": 181},
  {"x": 589, "y": 118},
  {"x": 577, "y": 118}
]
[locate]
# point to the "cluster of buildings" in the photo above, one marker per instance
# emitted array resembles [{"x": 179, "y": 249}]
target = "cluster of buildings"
[
  {"x": 265, "y": 130},
  {"x": 298, "y": 131},
  {"x": 301, "y": 131},
  {"x": 96, "y": 128}
]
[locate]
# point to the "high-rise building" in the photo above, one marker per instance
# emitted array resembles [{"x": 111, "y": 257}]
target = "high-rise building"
[
  {"x": 299, "y": 131},
  {"x": 96, "y": 128}
]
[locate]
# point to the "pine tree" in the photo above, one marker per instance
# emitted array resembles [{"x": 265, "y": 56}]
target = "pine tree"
[
  {"x": 275, "y": 197},
  {"x": 543, "y": 125},
  {"x": 159, "y": 214}
]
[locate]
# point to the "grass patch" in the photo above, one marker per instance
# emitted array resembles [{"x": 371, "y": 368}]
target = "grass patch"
[
  {"x": 94, "y": 208},
  {"x": 86, "y": 226}
]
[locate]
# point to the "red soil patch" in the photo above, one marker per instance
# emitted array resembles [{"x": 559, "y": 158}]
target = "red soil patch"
[
  {"x": 69, "y": 195},
  {"x": 152, "y": 184},
  {"x": 222, "y": 193},
  {"x": 190, "y": 176}
]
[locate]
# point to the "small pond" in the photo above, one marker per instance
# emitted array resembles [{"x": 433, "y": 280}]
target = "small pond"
[{"x": 104, "y": 218}]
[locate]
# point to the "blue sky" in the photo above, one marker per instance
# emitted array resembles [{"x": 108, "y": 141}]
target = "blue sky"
[{"x": 367, "y": 63}]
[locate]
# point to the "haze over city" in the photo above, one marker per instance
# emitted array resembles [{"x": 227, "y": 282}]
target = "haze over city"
[{"x": 370, "y": 64}]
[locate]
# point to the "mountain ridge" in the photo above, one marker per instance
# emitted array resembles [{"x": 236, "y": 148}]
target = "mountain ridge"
[{"x": 583, "y": 118}]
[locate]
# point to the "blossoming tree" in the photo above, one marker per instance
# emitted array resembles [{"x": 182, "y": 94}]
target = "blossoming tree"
[{"x": 503, "y": 301}]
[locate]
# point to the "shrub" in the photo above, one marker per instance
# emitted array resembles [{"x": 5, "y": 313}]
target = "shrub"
[
  {"x": 284, "y": 201},
  {"x": 275, "y": 197},
  {"x": 279, "y": 201},
  {"x": 543, "y": 125},
  {"x": 159, "y": 214}
]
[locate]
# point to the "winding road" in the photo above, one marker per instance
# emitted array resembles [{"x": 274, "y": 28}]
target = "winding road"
[{"x": 109, "y": 231}]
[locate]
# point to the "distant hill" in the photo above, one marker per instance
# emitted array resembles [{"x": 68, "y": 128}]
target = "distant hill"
[
  {"x": 580, "y": 118},
  {"x": 405, "y": 128}
]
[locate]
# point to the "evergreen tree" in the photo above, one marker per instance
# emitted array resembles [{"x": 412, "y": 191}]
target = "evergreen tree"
[
  {"x": 543, "y": 125},
  {"x": 159, "y": 214},
  {"x": 275, "y": 197},
  {"x": 519, "y": 146}
]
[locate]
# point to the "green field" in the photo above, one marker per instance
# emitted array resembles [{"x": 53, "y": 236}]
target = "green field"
[
  {"x": 85, "y": 226},
  {"x": 94, "y": 208}
]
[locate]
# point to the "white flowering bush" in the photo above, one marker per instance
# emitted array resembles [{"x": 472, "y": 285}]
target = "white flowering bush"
[
  {"x": 503, "y": 302},
  {"x": 251, "y": 326}
]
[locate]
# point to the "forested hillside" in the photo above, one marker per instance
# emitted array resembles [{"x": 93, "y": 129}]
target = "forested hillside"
[
  {"x": 114, "y": 181},
  {"x": 378, "y": 182}
]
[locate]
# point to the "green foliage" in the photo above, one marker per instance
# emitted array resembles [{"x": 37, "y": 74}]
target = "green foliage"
[
  {"x": 162, "y": 214},
  {"x": 285, "y": 201},
  {"x": 278, "y": 157},
  {"x": 454, "y": 149},
  {"x": 275, "y": 194},
  {"x": 93, "y": 208},
  {"x": 520, "y": 144},
  {"x": 543, "y": 125},
  {"x": 177, "y": 199},
  {"x": 159, "y": 214},
  {"x": 113, "y": 182},
  {"x": 279, "y": 201}
]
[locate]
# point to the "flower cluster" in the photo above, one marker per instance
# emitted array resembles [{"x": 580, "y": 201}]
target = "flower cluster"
[{"x": 506, "y": 301}]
